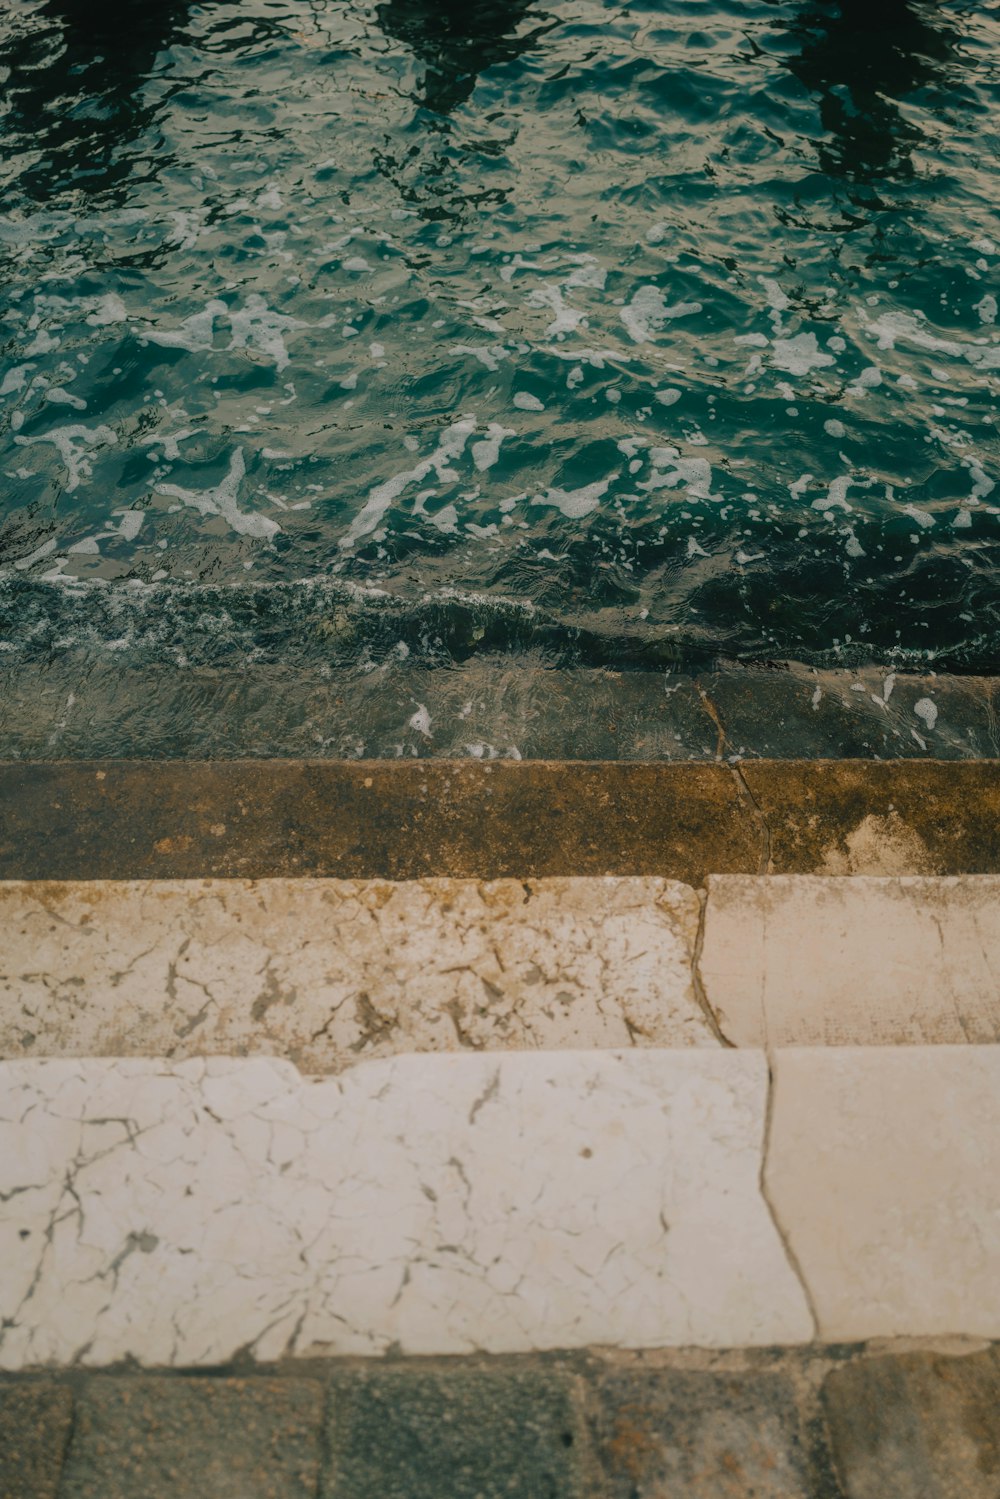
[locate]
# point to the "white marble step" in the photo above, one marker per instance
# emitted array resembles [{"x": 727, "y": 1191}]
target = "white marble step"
[
  {"x": 330, "y": 972},
  {"x": 803, "y": 961},
  {"x": 181, "y": 1213},
  {"x": 327, "y": 973}
]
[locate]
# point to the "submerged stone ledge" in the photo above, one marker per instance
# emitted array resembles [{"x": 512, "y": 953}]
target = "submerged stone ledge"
[{"x": 75, "y": 703}]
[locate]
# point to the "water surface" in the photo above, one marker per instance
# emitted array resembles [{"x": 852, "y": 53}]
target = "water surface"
[{"x": 621, "y": 334}]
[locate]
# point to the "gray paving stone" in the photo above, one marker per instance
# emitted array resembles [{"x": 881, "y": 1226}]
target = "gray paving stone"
[
  {"x": 680, "y": 1434},
  {"x": 161, "y": 1438},
  {"x": 403, "y": 1433},
  {"x": 916, "y": 1426},
  {"x": 34, "y": 1429}
]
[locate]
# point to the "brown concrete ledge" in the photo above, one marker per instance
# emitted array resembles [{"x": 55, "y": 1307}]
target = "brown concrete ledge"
[{"x": 124, "y": 819}]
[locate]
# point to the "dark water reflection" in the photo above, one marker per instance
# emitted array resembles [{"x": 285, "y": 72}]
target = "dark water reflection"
[
  {"x": 75, "y": 94},
  {"x": 457, "y": 40},
  {"x": 862, "y": 58}
]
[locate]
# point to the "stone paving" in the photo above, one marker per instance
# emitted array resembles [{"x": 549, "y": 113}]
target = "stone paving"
[
  {"x": 847, "y": 1423},
  {"x": 329, "y": 973}
]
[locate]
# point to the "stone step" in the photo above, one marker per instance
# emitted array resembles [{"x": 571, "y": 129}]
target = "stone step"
[
  {"x": 327, "y": 973},
  {"x": 805, "y": 961},
  {"x": 331, "y": 972},
  {"x": 185, "y": 1213},
  {"x": 849, "y": 1423}
]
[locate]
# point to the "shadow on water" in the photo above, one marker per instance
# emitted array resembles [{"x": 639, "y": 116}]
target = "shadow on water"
[
  {"x": 74, "y": 98},
  {"x": 863, "y": 58},
  {"x": 457, "y": 40}
]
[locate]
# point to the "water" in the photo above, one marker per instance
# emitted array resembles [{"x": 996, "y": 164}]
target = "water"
[{"x": 617, "y": 335}]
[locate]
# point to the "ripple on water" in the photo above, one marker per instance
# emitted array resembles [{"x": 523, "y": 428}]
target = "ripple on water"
[{"x": 659, "y": 332}]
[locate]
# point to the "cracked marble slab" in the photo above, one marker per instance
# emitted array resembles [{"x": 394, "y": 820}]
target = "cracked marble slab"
[
  {"x": 793, "y": 960},
  {"x": 180, "y": 1213},
  {"x": 883, "y": 1169},
  {"x": 330, "y": 972}
]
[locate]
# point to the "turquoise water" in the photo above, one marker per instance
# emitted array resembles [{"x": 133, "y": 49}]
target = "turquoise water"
[{"x": 623, "y": 333}]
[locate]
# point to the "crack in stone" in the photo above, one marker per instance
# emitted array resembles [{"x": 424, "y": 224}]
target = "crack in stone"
[
  {"x": 697, "y": 986},
  {"x": 792, "y": 1258},
  {"x": 766, "y": 862}
]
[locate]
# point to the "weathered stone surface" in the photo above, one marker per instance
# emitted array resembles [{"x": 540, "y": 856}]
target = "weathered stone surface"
[
  {"x": 795, "y": 960},
  {"x": 916, "y": 1426},
  {"x": 34, "y": 1429},
  {"x": 459, "y": 1433},
  {"x": 154, "y": 1438},
  {"x": 695, "y": 1434},
  {"x": 890, "y": 817},
  {"x": 406, "y": 820},
  {"x": 175, "y": 1214},
  {"x": 330, "y": 972},
  {"x": 400, "y": 820},
  {"x": 884, "y": 1173}
]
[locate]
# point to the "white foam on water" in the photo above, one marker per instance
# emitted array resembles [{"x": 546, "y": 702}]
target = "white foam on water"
[
  {"x": 800, "y": 354},
  {"x": 420, "y": 721},
  {"x": 486, "y": 452},
  {"x": 893, "y": 327},
  {"x": 575, "y": 503},
  {"x": 72, "y": 444},
  {"x": 222, "y": 501},
  {"x": 836, "y": 496},
  {"x": 589, "y": 272},
  {"x": 669, "y": 396},
  {"x": 987, "y": 309},
  {"x": 196, "y": 333},
  {"x": 57, "y": 396},
  {"x": 869, "y": 379},
  {"x": 15, "y": 379},
  {"x": 834, "y": 428},
  {"x": 106, "y": 311},
  {"x": 923, "y": 520},
  {"x": 565, "y": 319},
  {"x": 525, "y": 401},
  {"x": 927, "y": 709},
  {"x": 451, "y": 445},
  {"x": 258, "y": 326},
  {"x": 169, "y": 441},
  {"x": 671, "y": 471},
  {"x": 982, "y": 484},
  {"x": 489, "y": 355},
  {"x": 648, "y": 313},
  {"x": 45, "y": 550}
]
